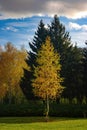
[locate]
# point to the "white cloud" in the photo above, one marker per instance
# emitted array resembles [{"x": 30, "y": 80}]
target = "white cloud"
[
  {"x": 79, "y": 38},
  {"x": 75, "y": 26},
  {"x": 10, "y": 28},
  {"x": 18, "y": 24},
  {"x": 21, "y": 24},
  {"x": 84, "y": 27},
  {"x": 26, "y": 8}
]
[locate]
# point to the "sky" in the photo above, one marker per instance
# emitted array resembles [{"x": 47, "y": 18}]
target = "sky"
[{"x": 19, "y": 19}]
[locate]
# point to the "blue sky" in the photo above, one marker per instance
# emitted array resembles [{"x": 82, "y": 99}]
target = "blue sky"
[{"x": 19, "y": 19}]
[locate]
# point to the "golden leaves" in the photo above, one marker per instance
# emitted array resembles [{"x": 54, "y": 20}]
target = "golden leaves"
[
  {"x": 47, "y": 73},
  {"x": 12, "y": 62}
]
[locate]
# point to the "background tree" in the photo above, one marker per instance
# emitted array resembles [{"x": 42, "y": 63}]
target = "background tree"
[
  {"x": 74, "y": 75},
  {"x": 70, "y": 58},
  {"x": 47, "y": 73},
  {"x": 85, "y": 72},
  {"x": 11, "y": 70},
  {"x": 62, "y": 44},
  {"x": 39, "y": 38}
]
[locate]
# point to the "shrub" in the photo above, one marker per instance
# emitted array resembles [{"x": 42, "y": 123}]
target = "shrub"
[{"x": 37, "y": 108}]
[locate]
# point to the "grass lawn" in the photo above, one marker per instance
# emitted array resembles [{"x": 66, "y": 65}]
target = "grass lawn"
[{"x": 38, "y": 123}]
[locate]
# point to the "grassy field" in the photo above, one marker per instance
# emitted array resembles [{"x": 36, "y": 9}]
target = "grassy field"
[{"x": 39, "y": 123}]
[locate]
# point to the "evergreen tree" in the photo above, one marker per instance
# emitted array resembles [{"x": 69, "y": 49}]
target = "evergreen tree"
[
  {"x": 85, "y": 72},
  {"x": 47, "y": 74},
  {"x": 62, "y": 44},
  {"x": 39, "y": 38},
  {"x": 59, "y": 36},
  {"x": 74, "y": 75},
  {"x": 70, "y": 58}
]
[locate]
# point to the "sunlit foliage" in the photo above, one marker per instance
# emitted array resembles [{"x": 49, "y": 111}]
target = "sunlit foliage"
[
  {"x": 11, "y": 70},
  {"x": 47, "y": 73}
]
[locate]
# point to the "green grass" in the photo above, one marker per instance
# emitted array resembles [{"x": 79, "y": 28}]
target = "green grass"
[{"x": 39, "y": 123}]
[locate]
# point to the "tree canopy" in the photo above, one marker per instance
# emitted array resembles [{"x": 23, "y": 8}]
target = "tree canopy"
[{"x": 11, "y": 71}]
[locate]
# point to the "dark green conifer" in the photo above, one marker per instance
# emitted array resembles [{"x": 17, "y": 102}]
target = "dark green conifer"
[{"x": 39, "y": 38}]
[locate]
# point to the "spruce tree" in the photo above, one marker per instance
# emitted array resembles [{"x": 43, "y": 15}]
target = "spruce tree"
[
  {"x": 74, "y": 75},
  {"x": 62, "y": 44},
  {"x": 85, "y": 72},
  {"x": 39, "y": 38},
  {"x": 59, "y": 36},
  {"x": 70, "y": 58}
]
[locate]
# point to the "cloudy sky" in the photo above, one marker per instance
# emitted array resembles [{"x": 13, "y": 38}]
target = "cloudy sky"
[{"x": 19, "y": 19}]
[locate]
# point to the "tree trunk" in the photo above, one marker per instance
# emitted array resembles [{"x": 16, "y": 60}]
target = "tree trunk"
[{"x": 47, "y": 108}]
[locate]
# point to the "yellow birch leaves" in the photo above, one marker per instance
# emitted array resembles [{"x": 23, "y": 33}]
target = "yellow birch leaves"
[{"x": 47, "y": 80}]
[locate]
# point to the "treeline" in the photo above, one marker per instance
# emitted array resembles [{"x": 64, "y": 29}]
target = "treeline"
[{"x": 17, "y": 66}]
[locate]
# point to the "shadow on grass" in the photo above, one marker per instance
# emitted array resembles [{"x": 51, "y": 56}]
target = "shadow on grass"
[{"x": 22, "y": 120}]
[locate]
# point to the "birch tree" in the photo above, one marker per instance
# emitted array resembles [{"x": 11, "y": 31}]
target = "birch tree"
[{"x": 47, "y": 82}]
